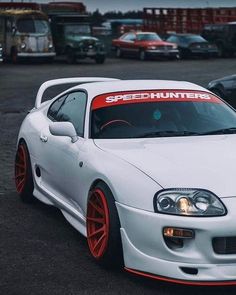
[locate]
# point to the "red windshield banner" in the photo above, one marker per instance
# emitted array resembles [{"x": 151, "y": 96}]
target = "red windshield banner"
[{"x": 128, "y": 97}]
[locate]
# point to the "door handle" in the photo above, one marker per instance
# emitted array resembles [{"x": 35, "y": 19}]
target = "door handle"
[{"x": 43, "y": 138}]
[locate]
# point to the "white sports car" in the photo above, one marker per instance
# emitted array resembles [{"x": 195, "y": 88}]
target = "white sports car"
[{"x": 145, "y": 169}]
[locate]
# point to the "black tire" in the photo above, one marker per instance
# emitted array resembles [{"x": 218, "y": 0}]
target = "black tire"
[
  {"x": 119, "y": 52},
  {"x": 111, "y": 255},
  {"x": 23, "y": 174},
  {"x": 70, "y": 56},
  {"x": 14, "y": 57},
  {"x": 142, "y": 55},
  {"x": 221, "y": 50},
  {"x": 100, "y": 59}
]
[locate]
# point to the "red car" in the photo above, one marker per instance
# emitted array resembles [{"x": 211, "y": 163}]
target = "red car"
[{"x": 144, "y": 45}]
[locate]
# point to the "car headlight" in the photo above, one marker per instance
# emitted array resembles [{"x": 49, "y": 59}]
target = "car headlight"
[
  {"x": 152, "y": 47},
  {"x": 23, "y": 45},
  {"x": 188, "y": 202},
  {"x": 50, "y": 46},
  {"x": 175, "y": 46}
]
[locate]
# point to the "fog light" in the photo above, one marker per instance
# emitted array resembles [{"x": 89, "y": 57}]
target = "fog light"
[{"x": 172, "y": 232}]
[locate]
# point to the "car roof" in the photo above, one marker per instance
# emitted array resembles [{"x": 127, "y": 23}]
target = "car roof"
[
  {"x": 184, "y": 35},
  {"x": 96, "y": 88}
]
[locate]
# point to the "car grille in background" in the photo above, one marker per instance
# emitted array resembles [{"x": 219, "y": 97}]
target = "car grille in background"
[
  {"x": 224, "y": 245},
  {"x": 36, "y": 44},
  {"x": 165, "y": 47}
]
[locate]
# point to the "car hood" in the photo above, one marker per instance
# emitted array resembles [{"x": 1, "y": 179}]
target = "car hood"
[
  {"x": 156, "y": 43},
  {"x": 207, "y": 162},
  {"x": 76, "y": 38}
]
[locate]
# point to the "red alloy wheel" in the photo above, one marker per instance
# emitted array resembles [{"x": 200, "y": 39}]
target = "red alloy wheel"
[
  {"x": 20, "y": 168},
  {"x": 97, "y": 223}
]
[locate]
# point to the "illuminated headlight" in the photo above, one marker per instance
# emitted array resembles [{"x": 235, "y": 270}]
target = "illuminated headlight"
[
  {"x": 152, "y": 47},
  {"x": 23, "y": 45},
  {"x": 50, "y": 45},
  {"x": 188, "y": 202},
  {"x": 175, "y": 46}
]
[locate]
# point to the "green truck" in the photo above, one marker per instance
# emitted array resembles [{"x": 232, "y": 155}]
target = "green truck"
[{"x": 71, "y": 30}]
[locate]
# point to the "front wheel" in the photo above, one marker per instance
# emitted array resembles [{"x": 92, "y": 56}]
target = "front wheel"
[
  {"x": 119, "y": 53},
  {"x": 70, "y": 56},
  {"x": 23, "y": 173},
  {"x": 14, "y": 56},
  {"x": 142, "y": 55},
  {"x": 103, "y": 227}
]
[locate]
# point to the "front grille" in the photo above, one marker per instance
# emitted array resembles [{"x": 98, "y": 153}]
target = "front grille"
[
  {"x": 165, "y": 47},
  {"x": 224, "y": 245}
]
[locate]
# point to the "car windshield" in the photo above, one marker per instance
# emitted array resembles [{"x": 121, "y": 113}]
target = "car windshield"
[
  {"x": 192, "y": 39},
  {"x": 77, "y": 29},
  {"x": 160, "y": 114},
  {"x": 148, "y": 37},
  {"x": 28, "y": 25}
]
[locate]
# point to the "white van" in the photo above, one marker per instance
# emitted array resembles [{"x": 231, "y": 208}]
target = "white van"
[{"x": 25, "y": 33}]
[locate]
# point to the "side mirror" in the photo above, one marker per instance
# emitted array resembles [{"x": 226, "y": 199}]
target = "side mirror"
[{"x": 63, "y": 129}]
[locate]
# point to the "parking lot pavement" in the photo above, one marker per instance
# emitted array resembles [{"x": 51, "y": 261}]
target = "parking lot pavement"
[{"x": 40, "y": 253}]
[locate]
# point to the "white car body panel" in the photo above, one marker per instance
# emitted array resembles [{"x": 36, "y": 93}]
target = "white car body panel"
[
  {"x": 135, "y": 170},
  {"x": 188, "y": 161}
]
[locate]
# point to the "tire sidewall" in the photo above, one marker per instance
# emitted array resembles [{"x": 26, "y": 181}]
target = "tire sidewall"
[
  {"x": 113, "y": 255},
  {"x": 27, "y": 192}
]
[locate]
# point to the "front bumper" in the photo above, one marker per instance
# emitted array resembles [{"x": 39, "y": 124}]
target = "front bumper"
[
  {"x": 36, "y": 54},
  {"x": 89, "y": 53},
  {"x": 162, "y": 53},
  {"x": 204, "y": 52},
  {"x": 145, "y": 250}
]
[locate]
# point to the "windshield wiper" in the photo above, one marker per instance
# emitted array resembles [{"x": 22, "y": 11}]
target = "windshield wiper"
[
  {"x": 230, "y": 130},
  {"x": 168, "y": 133}
]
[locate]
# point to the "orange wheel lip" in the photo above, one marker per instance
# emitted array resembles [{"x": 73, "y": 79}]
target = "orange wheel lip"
[
  {"x": 97, "y": 222},
  {"x": 20, "y": 168}
]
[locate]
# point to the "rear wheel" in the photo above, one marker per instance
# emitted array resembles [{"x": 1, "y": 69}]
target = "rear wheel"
[
  {"x": 103, "y": 227},
  {"x": 23, "y": 173}
]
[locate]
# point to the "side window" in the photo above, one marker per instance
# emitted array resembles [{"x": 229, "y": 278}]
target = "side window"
[
  {"x": 73, "y": 110},
  {"x": 54, "y": 108},
  {"x": 172, "y": 39},
  {"x": 129, "y": 37}
]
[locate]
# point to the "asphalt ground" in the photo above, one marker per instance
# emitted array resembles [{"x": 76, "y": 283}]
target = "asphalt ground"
[{"x": 40, "y": 253}]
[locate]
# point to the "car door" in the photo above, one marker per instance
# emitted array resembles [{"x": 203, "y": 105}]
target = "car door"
[
  {"x": 127, "y": 44},
  {"x": 59, "y": 156}
]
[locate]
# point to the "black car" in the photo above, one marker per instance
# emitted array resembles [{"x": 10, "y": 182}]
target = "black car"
[
  {"x": 223, "y": 35},
  {"x": 190, "y": 45},
  {"x": 225, "y": 88}
]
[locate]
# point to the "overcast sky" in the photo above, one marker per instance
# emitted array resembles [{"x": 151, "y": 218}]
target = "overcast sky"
[{"x": 124, "y": 5}]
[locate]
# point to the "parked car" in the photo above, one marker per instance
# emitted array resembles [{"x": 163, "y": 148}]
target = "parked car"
[
  {"x": 25, "y": 34},
  {"x": 190, "y": 45},
  {"x": 225, "y": 88},
  {"x": 144, "y": 45},
  {"x": 223, "y": 35},
  {"x": 72, "y": 38},
  {"x": 144, "y": 169}
]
